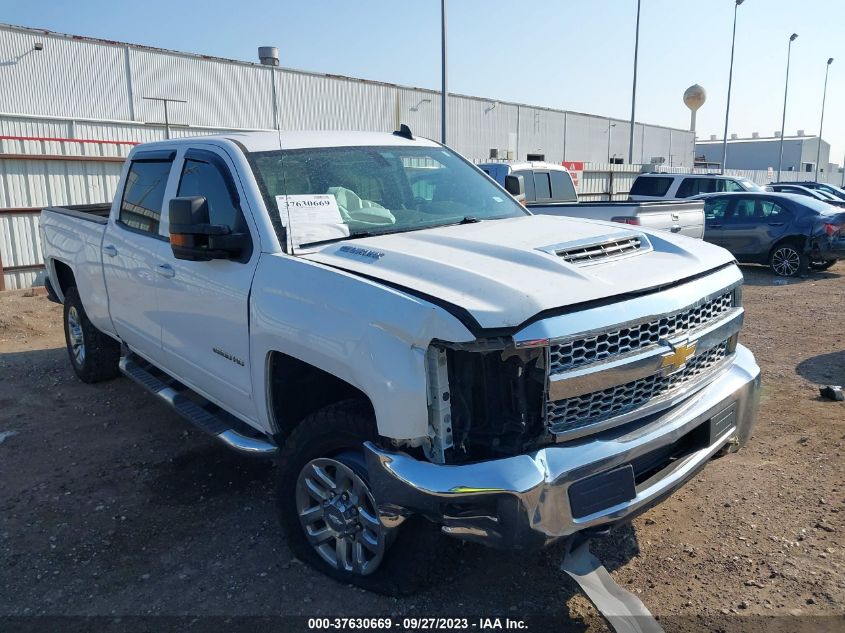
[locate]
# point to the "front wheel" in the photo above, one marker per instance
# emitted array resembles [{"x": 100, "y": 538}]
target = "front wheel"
[
  {"x": 787, "y": 260},
  {"x": 823, "y": 264},
  {"x": 329, "y": 515}
]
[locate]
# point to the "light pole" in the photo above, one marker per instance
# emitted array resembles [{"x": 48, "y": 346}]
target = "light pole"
[
  {"x": 730, "y": 81},
  {"x": 821, "y": 123},
  {"x": 443, "y": 71},
  {"x": 785, "y": 92},
  {"x": 634, "y": 88}
]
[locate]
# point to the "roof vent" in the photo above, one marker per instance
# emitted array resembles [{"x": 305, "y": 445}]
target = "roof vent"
[
  {"x": 712, "y": 137},
  {"x": 800, "y": 132},
  {"x": 777, "y": 133},
  {"x": 609, "y": 248},
  {"x": 755, "y": 135},
  {"x": 268, "y": 55},
  {"x": 734, "y": 137}
]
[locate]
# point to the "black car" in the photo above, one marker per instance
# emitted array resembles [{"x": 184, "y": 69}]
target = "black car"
[
  {"x": 832, "y": 190},
  {"x": 790, "y": 233}
]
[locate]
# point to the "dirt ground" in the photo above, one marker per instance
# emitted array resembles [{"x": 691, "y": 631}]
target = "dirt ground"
[{"x": 111, "y": 505}]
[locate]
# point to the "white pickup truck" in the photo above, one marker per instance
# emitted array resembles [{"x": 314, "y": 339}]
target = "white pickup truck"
[
  {"x": 419, "y": 353},
  {"x": 548, "y": 189}
]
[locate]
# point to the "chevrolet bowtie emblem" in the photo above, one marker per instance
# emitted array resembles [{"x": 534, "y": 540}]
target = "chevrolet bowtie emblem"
[{"x": 678, "y": 357}]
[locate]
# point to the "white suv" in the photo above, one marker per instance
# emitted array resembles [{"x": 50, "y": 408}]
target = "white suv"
[{"x": 673, "y": 186}]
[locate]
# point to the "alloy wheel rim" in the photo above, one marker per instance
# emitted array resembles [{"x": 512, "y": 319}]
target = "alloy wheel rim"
[
  {"x": 339, "y": 517},
  {"x": 786, "y": 261},
  {"x": 75, "y": 336}
]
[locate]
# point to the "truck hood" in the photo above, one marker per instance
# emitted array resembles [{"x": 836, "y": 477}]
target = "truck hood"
[{"x": 503, "y": 272}]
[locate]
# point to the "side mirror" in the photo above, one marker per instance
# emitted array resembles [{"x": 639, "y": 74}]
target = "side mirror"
[
  {"x": 193, "y": 238},
  {"x": 515, "y": 185}
]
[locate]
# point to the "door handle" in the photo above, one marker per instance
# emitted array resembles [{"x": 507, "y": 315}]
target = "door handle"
[
  {"x": 676, "y": 228},
  {"x": 166, "y": 270},
  {"x": 775, "y": 223},
  {"x": 715, "y": 226},
  {"x": 110, "y": 250}
]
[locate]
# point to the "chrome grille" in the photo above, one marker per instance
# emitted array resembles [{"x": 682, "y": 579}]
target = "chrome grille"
[
  {"x": 579, "y": 411},
  {"x": 588, "y": 350},
  {"x": 603, "y": 250}
]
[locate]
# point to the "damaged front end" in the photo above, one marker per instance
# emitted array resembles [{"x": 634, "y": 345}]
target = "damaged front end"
[{"x": 486, "y": 400}]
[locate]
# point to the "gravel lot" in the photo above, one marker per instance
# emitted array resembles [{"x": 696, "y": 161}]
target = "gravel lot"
[{"x": 111, "y": 505}]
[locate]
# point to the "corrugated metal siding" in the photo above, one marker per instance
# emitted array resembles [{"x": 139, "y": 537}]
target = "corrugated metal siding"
[
  {"x": 19, "y": 246},
  {"x": 70, "y": 76}
]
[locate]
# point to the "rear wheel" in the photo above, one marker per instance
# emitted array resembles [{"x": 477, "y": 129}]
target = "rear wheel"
[
  {"x": 823, "y": 264},
  {"x": 94, "y": 355},
  {"x": 328, "y": 511},
  {"x": 787, "y": 260}
]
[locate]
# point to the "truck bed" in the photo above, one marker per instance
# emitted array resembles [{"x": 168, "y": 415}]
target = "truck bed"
[
  {"x": 683, "y": 217},
  {"x": 98, "y": 212}
]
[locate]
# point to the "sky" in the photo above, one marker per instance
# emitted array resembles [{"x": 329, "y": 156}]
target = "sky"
[{"x": 569, "y": 54}]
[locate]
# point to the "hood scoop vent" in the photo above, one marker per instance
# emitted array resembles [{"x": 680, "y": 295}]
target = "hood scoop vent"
[{"x": 601, "y": 249}]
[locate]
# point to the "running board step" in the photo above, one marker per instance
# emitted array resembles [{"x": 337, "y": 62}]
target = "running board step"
[{"x": 209, "y": 419}]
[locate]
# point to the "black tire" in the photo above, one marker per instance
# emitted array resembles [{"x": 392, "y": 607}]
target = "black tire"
[
  {"x": 100, "y": 353},
  {"x": 415, "y": 555},
  {"x": 789, "y": 260},
  {"x": 822, "y": 264}
]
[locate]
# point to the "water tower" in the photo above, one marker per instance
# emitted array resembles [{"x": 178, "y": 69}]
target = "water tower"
[{"x": 694, "y": 98}]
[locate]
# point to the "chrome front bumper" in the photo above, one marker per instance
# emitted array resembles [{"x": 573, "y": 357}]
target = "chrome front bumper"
[{"x": 532, "y": 499}]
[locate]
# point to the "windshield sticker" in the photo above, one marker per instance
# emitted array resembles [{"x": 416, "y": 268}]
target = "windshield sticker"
[{"x": 311, "y": 218}]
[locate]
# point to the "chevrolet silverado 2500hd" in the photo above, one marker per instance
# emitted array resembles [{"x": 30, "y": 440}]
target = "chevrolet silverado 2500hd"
[
  {"x": 420, "y": 353},
  {"x": 548, "y": 189}
]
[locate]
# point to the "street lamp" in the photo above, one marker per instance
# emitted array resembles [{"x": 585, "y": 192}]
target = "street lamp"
[
  {"x": 634, "y": 88},
  {"x": 610, "y": 127},
  {"x": 443, "y": 94},
  {"x": 785, "y": 92},
  {"x": 821, "y": 123},
  {"x": 730, "y": 81}
]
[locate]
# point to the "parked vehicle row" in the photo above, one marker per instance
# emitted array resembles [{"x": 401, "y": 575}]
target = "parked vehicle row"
[
  {"x": 660, "y": 186},
  {"x": 422, "y": 355},
  {"x": 547, "y": 189}
]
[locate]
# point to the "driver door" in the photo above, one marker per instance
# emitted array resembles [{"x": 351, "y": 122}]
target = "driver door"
[{"x": 204, "y": 305}]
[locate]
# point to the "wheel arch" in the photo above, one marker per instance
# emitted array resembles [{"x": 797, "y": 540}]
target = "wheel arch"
[
  {"x": 799, "y": 240},
  {"x": 296, "y": 389},
  {"x": 64, "y": 277}
]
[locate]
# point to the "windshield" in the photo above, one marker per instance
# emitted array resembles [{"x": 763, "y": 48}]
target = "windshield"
[{"x": 331, "y": 193}]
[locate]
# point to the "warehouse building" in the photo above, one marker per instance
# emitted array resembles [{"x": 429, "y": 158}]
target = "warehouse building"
[
  {"x": 71, "y": 108},
  {"x": 799, "y": 153},
  {"x": 63, "y": 85}
]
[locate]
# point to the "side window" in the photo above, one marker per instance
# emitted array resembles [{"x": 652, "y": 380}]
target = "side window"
[
  {"x": 744, "y": 210},
  {"x": 542, "y": 185},
  {"x": 140, "y": 208},
  {"x": 769, "y": 209},
  {"x": 687, "y": 188},
  {"x": 562, "y": 187},
  {"x": 204, "y": 179},
  {"x": 528, "y": 180},
  {"x": 733, "y": 185},
  {"x": 715, "y": 208},
  {"x": 651, "y": 186}
]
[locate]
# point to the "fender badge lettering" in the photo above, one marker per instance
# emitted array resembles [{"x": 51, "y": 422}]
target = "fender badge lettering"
[
  {"x": 228, "y": 356},
  {"x": 361, "y": 252}
]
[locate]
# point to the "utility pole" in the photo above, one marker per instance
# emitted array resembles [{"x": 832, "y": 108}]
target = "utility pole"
[
  {"x": 821, "y": 123},
  {"x": 785, "y": 92},
  {"x": 730, "y": 81},
  {"x": 634, "y": 88},
  {"x": 443, "y": 71}
]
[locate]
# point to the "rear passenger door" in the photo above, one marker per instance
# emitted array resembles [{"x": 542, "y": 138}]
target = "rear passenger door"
[
  {"x": 132, "y": 248},
  {"x": 205, "y": 304}
]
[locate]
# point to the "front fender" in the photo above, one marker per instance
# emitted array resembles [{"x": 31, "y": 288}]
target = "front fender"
[{"x": 367, "y": 334}]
